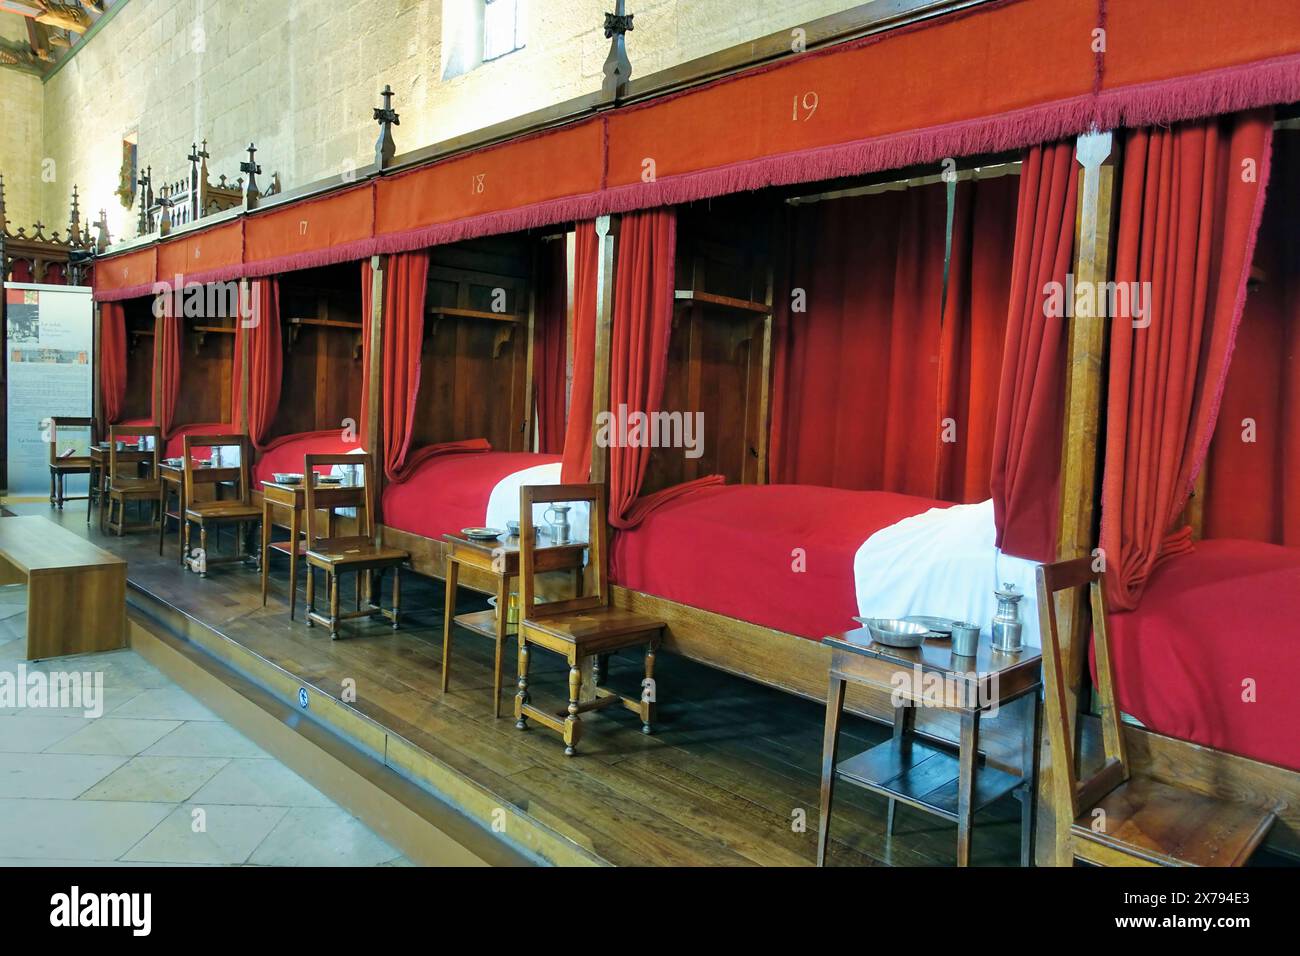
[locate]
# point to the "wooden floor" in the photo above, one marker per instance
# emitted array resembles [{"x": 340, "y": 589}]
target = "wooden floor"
[{"x": 729, "y": 778}]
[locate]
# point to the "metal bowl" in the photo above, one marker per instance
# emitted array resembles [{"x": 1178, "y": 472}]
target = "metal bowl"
[
  {"x": 895, "y": 633},
  {"x": 286, "y": 478}
]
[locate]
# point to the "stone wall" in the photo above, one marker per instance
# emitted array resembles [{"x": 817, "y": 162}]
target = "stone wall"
[
  {"x": 299, "y": 77},
  {"x": 20, "y": 138}
]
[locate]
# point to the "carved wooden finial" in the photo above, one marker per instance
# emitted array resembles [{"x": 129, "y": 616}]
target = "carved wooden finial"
[
  {"x": 618, "y": 68},
  {"x": 74, "y": 219},
  {"x": 252, "y": 168},
  {"x": 146, "y": 199},
  {"x": 387, "y": 118}
]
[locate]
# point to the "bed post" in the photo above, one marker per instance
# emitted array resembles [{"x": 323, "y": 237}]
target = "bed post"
[
  {"x": 529, "y": 442},
  {"x": 246, "y": 291},
  {"x": 1080, "y": 460},
  {"x": 96, "y": 404},
  {"x": 606, "y": 245},
  {"x": 374, "y": 371},
  {"x": 765, "y": 383}
]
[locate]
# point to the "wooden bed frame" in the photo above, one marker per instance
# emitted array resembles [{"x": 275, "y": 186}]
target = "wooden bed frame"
[{"x": 796, "y": 665}]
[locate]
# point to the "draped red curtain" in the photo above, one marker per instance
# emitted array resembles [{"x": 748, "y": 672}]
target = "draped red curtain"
[
  {"x": 1256, "y": 443},
  {"x": 1189, "y": 212},
  {"x": 112, "y": 359},
  {"x": 259, "y": 322},
  {"x": 1031, "y": 393},
  {"x": 576, "y": 464},
  {"x": 642, "y": 323},
  {"x": 403, "y": 331},
  {"x": 875, "y": 388},
  {"x": 973, "y": 337},
  {"x": 168, "y": 334},
  {"x": 549, "y": 346}
]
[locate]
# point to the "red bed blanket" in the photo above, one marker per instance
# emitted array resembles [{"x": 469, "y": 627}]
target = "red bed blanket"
[
  {"x": 285, "y": 454},
  {"x": 1212, "y": 624},
  {"x": 776, "y": 555},
  {"x": 450, "y": 492}
]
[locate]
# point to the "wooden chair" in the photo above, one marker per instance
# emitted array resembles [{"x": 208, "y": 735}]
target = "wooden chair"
[
  {"x": 359, "y": 552},
  {"x": 217, "y": 512},
  {"x": 68, "y": 456},
  {"x": 1117, "y": 819},
  {"x": 578, "y": 628},
  {"x": 123, "y": 481}
]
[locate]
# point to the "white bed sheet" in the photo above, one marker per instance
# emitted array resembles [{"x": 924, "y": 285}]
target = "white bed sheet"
[{"x": 943, "y": 563}]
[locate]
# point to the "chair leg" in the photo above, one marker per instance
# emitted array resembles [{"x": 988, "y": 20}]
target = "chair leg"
[
  {"x": 572, "y": 724},
  {"x": 185, "y": 542},
  {"x": 648, "y": 691},
  {"x": 397, "y": 595},
  {"x": 162, "y": 518},
  {"x": 521, "y": 697},
  {"x": 203, "y": 550},
  {"x": 311, "y": 594},
  {"x": 333, "y": 578},
  {"x": 53, "y": 479}
]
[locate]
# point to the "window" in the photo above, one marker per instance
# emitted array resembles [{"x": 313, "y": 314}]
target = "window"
[{"x": 503, "y": 27}]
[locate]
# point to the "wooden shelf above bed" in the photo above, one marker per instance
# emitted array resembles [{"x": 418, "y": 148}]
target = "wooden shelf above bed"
[
  {"x": 326, "y": 323},
  {"x": 451, "y": 312},
  {"x": 694, "y": 297}
]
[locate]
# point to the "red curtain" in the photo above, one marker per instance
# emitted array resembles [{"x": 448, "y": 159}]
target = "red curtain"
[
  {"x": 260, "y": 311},
  {"x": 112, "y": 360},
  {"x": 874, "y": 389},
  {"x": 576, "y": 466},
  {"x": 403, "y": 331},
  {"x": 1189, "y": 211},
  {"x": 168, "y": 334},
  {"x": 643, "y": 320},
  {"x": 1031, "y": 394},
  {"x": 1256, "y": 444},
  {"x": 549, "y": 346}
]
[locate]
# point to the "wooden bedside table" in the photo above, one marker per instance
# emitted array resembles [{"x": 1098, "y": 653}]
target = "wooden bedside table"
[
  {"x": 924, "y": 773},
  {"x": 500, "y": 558}
]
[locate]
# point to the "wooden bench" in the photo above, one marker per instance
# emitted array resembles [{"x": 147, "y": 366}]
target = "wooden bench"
[{"x": 76, "y": 592}]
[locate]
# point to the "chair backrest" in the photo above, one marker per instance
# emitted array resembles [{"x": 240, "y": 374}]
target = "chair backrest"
[
  {"x": 330, "y": 497},
  {"x": 211, "y": 474},
  {"x": 594, "y": 495},
  {"x": 117, "y": 433},
  {"x": 74, "y": 443},
  {"x": 1073, "y": 793}
]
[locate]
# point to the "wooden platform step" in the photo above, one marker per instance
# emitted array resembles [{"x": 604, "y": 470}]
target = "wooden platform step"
[{"x": 420, "y": 805}]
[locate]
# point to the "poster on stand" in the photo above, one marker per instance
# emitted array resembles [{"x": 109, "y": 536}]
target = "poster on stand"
[{"x": 49, "y": 343}]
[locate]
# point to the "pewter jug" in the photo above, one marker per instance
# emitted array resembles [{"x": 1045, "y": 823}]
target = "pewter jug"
[
  {"x": 560, "y": 530},
  {"x": 1006, "y": 622}
]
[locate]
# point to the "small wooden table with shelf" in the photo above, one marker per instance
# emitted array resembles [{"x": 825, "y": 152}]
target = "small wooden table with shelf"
[
  {"x": 278, "y": 497},
  {"x": 498, "y": 557},
  {"x": 97, "y": 475},
  {"x": 926, "y": 774}
]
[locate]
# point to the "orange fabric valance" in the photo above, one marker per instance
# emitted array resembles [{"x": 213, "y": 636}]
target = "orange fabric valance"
[
  {"x": 126, "y": 276},
  {"x": 999, "y": 76},
  {"x": 212, "y": 255},
  {"x": 335, "y": 228}
]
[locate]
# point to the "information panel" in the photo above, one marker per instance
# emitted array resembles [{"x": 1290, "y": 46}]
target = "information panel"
[{"x": 49, "y": 342}]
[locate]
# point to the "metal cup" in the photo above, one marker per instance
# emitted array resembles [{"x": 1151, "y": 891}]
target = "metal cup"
[{"x": 965, "y": 639}]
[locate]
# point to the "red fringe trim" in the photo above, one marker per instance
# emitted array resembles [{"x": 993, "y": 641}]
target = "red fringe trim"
[
  {"x": 126, "y": 292},
  {"x": 330, "y": 255},
  {"x": 1227, "y": 90}
]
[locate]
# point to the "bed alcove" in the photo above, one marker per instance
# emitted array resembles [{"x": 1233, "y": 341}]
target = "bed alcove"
[{"x": 491, "y": 307}]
